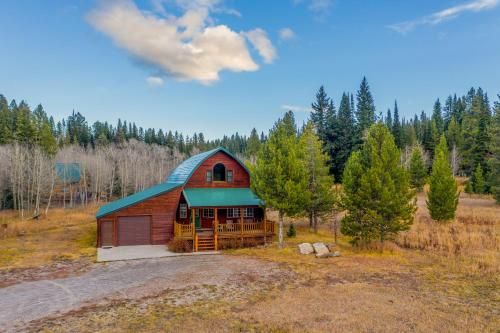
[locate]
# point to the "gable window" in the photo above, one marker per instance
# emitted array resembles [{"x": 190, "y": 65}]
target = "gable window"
[
  {"x": 233, "y": 212},
  {"x": 208, "y": 213},
  {"x": 248, "y": 212},
  {"x": 229, "y": 176},
  {"x": 183, "y": 211},
  {"x": 209, "y": 176},
  {"x": 219, "y": 172}
]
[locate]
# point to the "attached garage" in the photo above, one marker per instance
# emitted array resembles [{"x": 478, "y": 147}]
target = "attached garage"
[
  {"x": 107, "y": 233},
  {"x": 134, "y": 230}
]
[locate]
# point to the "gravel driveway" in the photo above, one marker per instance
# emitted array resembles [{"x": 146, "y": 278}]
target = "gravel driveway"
[{"x": 27, "y": 301}]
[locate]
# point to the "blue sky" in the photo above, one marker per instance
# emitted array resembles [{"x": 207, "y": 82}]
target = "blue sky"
[{"x": 224, "y": 66}]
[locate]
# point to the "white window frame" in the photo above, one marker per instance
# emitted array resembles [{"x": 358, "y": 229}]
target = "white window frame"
[
  {"x": 248, "y": 212},
  {"x": 233, "y": 212},
  {"x": 209, "y": 177},
  {"x": 229, "y": 179},
  {"x": 183, "y": 211},
  {"x": 208, "y": 213}
]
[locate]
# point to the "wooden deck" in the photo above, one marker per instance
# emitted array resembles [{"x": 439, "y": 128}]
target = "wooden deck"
[{"x": 241, "y": 230}]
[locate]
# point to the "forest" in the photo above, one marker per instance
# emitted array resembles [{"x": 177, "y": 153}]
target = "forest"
[{"x": 117, "y": 160}]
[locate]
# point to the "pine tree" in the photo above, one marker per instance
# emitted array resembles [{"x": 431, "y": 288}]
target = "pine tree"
[
  {"x": 494, "y": 160},
  {"x": 279, "y": 176},
  {"x": 418, "y": 171},
  {"x": 443, "y": 195},
  {"x": 478, "y": 183},
  {"x": 319, "y": 182},
  {"x": 253, "y": 144},
  {"x": 388, "y": 119},
  {"x": 396, "y": 127},
  {"x": 365, "y": 112},
  {"x": 377, "y": 194},
  {"x": 320, "y": 108},
  {"x": 341, "y": 137},
  {"x": 437, "y": 117}
]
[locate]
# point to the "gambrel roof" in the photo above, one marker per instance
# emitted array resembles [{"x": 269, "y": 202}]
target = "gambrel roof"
[{"x": 178, "y": 177}]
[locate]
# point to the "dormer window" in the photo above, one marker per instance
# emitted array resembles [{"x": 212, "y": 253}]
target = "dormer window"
[{"x": 219, "y": 172}]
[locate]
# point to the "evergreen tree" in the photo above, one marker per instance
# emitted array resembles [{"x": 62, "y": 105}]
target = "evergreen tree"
[
  {"x": 478, "y": 183},
  {"x": 320, "y": 108},
  {"x": 341, "y": 137},
  {"x": 279, "y": 176},
  {"x": 365, "y": 112},
  {"x": 443, "y": 195},
  {"x": 437, "y": 117},
  {"x": 396, "y": 127},
  {"x": 494, "y": 160},
  {"x": 377, "y": 194},
  {"x": 253, "y": 144},
  {"x": 418, "y": 171},
  {"x": 319, "y": 182},
  {"x": 388, "y": 119}
]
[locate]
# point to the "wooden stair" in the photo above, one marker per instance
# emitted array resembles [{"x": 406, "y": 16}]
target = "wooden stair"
[{"x": 206, "y": 243}]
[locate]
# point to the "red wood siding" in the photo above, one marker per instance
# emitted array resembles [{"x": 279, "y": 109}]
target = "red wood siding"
[
  {"x": 162, "y": 210},
  {"x": 240, "y": 175}
]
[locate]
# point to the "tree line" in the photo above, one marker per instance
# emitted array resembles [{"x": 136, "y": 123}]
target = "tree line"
[
  {"x": 467, "y": 122},
  {"x": 20, "y": 124},
  {"x": 382, "y": 162}
]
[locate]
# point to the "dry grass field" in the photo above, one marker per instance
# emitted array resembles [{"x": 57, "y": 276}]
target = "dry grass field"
[
  {"x": 53, "y": 245},
  {"x": 432, "y": 278}
]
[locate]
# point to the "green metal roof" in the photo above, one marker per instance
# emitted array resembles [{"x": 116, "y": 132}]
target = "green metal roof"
[
  {"x": 177, "y": 178},
  {"x": 221, "y": 197},
  {"x": 183, "y": 172},
  {"x": 68, "y": 172},
  {"x": 135, "y": 198}
]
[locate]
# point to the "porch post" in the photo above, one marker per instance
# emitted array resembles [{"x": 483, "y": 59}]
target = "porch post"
[
  {"x": 265, "y": 226},
  {"x": 216, "y": 228},
  {"x": 241, "y": 225},
  {"x": 193, "y": 227}
]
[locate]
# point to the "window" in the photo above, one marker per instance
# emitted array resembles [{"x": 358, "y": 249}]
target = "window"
[
  {"x": 219, "y": 172},
  {"x": 183, "y": 211},
  {"x": 209, "y": 176},
  {"x": 233, "y": 212},
  {"x": 248, "y": 212},
  {"x": 208, "y": 213},
  {"x": 229, "y": 176}
]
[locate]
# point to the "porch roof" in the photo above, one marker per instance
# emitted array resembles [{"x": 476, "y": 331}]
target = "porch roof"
[{"x": 221, "y": 197}]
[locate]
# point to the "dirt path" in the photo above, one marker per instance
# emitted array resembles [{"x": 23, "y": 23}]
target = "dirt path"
[{"x": 28, "y": 301}]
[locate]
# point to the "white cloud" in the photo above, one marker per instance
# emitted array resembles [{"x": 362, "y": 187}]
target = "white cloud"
[
  {"x": 154, "y": 81},
  {"x": 445, "y": 14},
  {"x": 295, "y": 108},
  {"x": 186, "y": 47},
  {"x": 286, "y": 34},
  {"x": 259, "y": 40}
]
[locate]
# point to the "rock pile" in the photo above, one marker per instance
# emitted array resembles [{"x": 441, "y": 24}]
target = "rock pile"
[{"x": 321, "y": 250}]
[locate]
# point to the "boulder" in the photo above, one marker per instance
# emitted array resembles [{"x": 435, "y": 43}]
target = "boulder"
[
  {"x": 320, "y": 249},
  {"x": 306, "y": 248},
  {"x": 329, "y": 255}
]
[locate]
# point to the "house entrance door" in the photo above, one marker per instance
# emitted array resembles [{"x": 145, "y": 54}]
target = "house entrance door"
[{"x": 197, "y": 220}]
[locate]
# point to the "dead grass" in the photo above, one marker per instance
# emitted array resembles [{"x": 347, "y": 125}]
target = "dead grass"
[
  {"x": 434, "y": 278},
  {"x": 62, "y": 235}
]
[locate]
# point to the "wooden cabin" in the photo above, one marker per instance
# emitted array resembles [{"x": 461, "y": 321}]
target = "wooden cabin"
[{"x": 206, "y": 201}]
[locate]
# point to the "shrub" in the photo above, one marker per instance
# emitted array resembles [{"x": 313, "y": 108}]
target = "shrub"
[
  {"x": 180, "y": 246},
  {"x": 291, "y": 231}
]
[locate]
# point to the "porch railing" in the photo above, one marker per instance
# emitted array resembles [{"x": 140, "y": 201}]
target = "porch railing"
[
  {"x": 183, "y": 230},
  {"x": 248, "y": 228}
]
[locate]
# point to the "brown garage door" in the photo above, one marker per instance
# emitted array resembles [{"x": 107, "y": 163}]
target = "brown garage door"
[
  {"x": 134, "y": 230},
  {"x": 107, "y": 233}
]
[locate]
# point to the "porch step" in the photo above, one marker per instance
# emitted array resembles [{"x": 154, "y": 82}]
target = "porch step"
[{"x": 206, "y": 243}]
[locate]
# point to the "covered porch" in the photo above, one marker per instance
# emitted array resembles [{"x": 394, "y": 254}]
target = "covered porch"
[{"x": 212, "y": 217}]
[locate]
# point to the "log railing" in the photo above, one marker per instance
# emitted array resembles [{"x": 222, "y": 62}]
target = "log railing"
[
  {"x": 185, "y": 231},
  {"x": 248, "y": 228}
]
